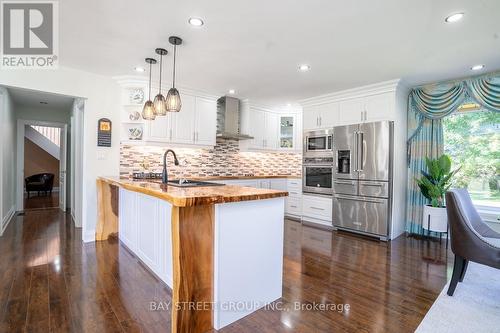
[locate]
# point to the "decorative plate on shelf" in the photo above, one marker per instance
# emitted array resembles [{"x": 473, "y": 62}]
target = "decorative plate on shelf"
[
  {"x": 135, "y": 133},
  {"x": 134, "y": 116},
  {"x": 136, "y": 96}
]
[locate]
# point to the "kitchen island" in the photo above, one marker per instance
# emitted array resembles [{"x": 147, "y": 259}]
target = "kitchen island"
[{"x": 220, "y": 248}]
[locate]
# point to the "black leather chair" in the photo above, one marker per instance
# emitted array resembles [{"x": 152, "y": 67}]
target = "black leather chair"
[
  {"x": 42, "y": 182},
  {"x": 471, "y": 238}
]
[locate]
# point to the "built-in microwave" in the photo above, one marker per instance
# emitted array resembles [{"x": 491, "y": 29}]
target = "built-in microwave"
[{"x": 318, "y": 143}]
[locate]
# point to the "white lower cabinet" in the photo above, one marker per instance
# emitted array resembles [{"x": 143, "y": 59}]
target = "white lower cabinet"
[
  {"x": 317, "y": 209},
  {"x": 293, "y": 207},
  {"x": 293, "y": 203},
  {"x": 144, "y": 229}
]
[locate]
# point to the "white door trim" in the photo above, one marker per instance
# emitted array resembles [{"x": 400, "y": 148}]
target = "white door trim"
[{"x": 20, "y": 155}]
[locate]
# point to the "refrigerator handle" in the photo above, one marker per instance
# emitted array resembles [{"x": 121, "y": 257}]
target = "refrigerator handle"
[
  {"x": 362, "y": 156},
  {"x": 354, "y": 154}
]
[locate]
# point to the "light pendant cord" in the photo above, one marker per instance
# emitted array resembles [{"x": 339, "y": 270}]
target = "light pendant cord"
[
  {"x": 175, "y": 52},
  {"x": 161, "y": 61},
  {"x": 150, "y": 66}
]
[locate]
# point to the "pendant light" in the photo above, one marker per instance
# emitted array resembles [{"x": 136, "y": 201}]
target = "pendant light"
[
  {"x": 159, "y": 102},
  {"x": 148, "y": 111},
  {"x": 173, "y": 102}
]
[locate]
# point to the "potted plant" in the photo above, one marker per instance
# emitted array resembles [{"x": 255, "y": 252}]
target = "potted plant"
[{"x": 433, "y": 184}]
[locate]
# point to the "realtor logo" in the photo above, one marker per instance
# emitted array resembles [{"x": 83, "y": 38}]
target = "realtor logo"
[{"x": 29, "y": 34}]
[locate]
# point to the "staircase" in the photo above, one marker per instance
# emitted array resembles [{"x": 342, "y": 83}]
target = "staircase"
[{"x": 47, "y": 138}]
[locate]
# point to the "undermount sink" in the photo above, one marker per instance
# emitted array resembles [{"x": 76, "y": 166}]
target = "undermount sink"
[{"x": 191, "y": 183}]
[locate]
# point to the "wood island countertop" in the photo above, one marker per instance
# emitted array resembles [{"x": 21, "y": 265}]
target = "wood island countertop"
[{"x": 194, "y": 196}]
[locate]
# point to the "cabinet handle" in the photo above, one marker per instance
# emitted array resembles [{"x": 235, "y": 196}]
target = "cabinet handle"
[
  {"x": 320, "y": 121},
  {"x": 293, "y": 206},
  {"x": 170, "y": 134},
  {"x": 317, "y": 208}
]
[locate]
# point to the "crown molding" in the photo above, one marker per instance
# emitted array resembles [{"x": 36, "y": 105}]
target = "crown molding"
[
  {"x": 269, "y": 108},
  {"x": 372, "y": 89},
  {"x": 136, "y": 81}
]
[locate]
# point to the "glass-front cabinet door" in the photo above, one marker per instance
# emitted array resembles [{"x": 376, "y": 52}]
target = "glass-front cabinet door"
[{"x": 286, "y": 139}]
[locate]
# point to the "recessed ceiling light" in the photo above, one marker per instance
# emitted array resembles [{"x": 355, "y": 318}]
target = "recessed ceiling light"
[
  {"x": 304, "y": 68},
  {"x": 454, "y": 17},
  {"x": 477, "y": 67},
  {"x": 139, "y": 69},
  {"x": 232, "y": 91},
  {"x": 288, "y": 104},
  {"x": 196, "y": 21}
]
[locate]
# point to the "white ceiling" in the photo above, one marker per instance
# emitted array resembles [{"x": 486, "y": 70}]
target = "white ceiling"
[
  {"x": 255, "y": 46},
  {"x": 32, "y": 99}
]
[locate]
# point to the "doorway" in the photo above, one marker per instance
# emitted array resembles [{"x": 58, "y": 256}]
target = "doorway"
[
  {"x": 42, "y": 152},
  {"x": 42, "y": 166}
]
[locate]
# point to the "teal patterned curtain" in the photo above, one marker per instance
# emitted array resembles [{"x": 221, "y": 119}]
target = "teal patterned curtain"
[{"x": 426, "y": 107}]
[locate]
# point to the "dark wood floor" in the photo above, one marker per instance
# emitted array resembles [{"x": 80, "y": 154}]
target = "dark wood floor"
[
  {"x": 50, "y": 281},
  {"x": 41, "y": 201}
]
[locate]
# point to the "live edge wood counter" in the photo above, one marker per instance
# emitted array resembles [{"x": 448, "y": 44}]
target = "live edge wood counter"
[{"x": 192, "y": 226}]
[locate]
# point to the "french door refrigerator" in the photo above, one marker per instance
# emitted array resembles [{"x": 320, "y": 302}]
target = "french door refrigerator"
[{"x": 362, "y": 178}]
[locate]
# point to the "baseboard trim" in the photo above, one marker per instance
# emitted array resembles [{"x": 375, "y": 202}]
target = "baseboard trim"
[
  {"x": 89, "y": 237},
  {"x": 7, "y": 219}
]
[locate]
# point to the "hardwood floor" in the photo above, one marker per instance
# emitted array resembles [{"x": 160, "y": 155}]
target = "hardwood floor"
[
  {"x": 41, "y": 202},
  {"x": 52, "y": 282}
]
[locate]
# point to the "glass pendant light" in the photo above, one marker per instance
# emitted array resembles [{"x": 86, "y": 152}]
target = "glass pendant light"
[
  {"x": 159, "y": 102},
  {"x": 148, "y": 111},
  {"x": 173, "y": 102}
]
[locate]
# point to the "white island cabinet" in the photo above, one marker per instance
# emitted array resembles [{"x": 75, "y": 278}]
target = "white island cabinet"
[{"x": 248, "y": 249}]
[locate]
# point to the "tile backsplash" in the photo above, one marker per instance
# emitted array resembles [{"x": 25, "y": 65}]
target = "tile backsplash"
[{"x": 225, "y": 159}]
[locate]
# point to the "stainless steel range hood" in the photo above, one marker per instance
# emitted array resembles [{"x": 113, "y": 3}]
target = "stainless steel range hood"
[{"x": 228, "y": 119}]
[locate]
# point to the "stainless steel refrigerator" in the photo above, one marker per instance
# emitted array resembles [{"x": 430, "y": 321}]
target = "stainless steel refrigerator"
[{"x": 362, "y": 179}]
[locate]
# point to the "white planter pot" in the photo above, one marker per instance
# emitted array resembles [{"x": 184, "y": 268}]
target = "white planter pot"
[{"x": 435, "y": 219}]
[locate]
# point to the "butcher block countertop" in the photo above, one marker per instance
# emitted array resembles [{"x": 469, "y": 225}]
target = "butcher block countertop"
[
  {"x": 194, "y": 196},
  {"x": 209, "y": 178}
]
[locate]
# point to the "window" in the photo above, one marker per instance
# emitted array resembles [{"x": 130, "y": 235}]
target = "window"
[{"x": 472, "y": 139}]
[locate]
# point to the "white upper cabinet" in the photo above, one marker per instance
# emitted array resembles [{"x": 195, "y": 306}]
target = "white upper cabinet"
[
  {"x": 328, "y": 115},
  {"x": 379, "y": 107},
  {"x": 195, "y": 124},
  {"x": 160, "y": 129},
  {"x": 321, "y": 116},
  {"x": 351, "y": 111},
  {"x": 270, "y": 130},
  {"x": 256, "y": 128},
  {"x": 183, "y": 121},
  {"x": 311, "y": 117},
  {"x": 205, "y": 121}
]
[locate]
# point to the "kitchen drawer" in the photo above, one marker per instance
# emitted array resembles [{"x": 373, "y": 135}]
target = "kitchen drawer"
[
  {"x": 317, "y": 207},
  {"x": 344, "y": 186},
  {"x": 293, "y": 206},
  {"x": 294, "y": 183},
  {"x": 294, "y": 193},
  {"x": 374, "y": 189}
]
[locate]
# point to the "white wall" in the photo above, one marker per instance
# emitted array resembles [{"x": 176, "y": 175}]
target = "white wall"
[
  {"x": 7, "y": 158},
  {"x": 400, "y": 173},
  {"x": 102, "y": 99},
  {"x": 76, "y": 153}
]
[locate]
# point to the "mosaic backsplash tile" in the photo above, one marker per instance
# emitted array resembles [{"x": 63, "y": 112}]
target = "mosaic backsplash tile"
[{"x": 225, "y": 159}]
